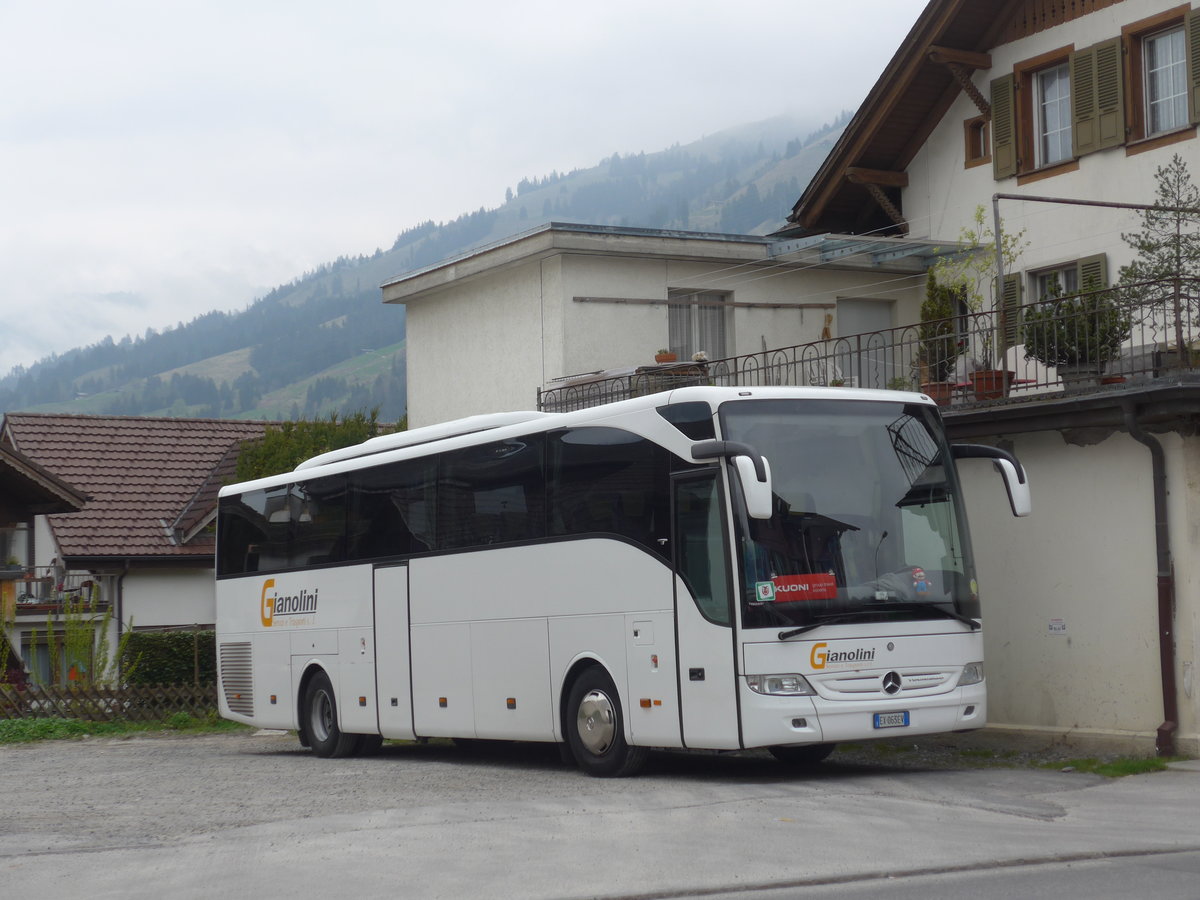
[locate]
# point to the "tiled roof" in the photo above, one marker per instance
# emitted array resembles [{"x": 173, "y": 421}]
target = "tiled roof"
[{"x": 143, "y": 476}]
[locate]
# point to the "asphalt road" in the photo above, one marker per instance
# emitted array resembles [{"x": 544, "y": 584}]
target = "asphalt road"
[{"x": 246, "y": 814}]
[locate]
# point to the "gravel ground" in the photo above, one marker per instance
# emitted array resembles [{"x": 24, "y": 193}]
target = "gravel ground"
[{"x": 147, "y": 790}]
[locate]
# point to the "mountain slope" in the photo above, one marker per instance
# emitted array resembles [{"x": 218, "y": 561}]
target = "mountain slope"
[{"x": 326, "y": 343}]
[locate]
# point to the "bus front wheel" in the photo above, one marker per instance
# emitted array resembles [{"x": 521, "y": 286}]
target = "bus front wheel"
[
  {"x": 596, "y": 730},
  {"x": 807, "y": 755},
  {"x": 321, "y": 721}
]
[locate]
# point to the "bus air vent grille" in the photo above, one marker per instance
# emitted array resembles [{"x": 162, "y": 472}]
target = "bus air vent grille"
[{"x": 237, "y": 677}]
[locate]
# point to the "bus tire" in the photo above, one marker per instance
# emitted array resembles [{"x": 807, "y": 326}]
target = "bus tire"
[
  {"x": 596, "y": 728},
  {"x": 808, "y": 755},
  {"x": 321, "y": 721}
]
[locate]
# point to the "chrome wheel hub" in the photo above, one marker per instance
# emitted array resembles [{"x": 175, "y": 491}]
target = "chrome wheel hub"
[{"x": 596, "y": 722}]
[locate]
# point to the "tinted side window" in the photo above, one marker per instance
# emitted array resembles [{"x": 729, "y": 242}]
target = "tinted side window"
[
  {"x": 491, "y": 494},
  {"x": 242, "y": 532},
  {"x": 608, "y": 481},
  {"x": 392, "y": 509},
  {"x": 318, "y": 534},
  {"x": 284, "y": 527}
]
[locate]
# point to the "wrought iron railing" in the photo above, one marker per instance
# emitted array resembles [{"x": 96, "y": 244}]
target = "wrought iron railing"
[
  {"x": 42, "y": 591},
  {"x": 1080, "y": 342}
]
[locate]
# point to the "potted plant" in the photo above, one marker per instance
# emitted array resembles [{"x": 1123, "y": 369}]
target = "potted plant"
[
  {"x": 937, "y": 349},
  {"x": 1077, "y": 334},
  {"x": 665, "y": 356},
  {"x": 972, "y": 270}
]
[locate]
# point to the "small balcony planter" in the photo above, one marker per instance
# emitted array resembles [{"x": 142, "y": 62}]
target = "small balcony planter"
[
  {"x": 991, "y": 384},
  {"x": 665, "y": 356}
]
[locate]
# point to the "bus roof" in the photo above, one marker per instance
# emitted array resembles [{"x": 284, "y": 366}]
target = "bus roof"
[{"x": 544, "y": 421}]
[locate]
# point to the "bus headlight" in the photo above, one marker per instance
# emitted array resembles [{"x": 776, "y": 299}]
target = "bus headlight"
[
  {"x": 972, "y": 673},
  {"x": 791, "y": 685}
]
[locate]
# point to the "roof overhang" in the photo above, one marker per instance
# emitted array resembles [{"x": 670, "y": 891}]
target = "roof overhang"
[
  {"x": 556, "y": 238},
  {"x": 950, "y": 38}
]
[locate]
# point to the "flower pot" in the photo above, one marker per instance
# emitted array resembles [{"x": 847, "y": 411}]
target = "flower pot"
[
  {"x": 666, "y": 357},
  {"x": 1079, "y": 375},
  {"x": 990, "y": 384},
  {"x": 940, "y": 392}
]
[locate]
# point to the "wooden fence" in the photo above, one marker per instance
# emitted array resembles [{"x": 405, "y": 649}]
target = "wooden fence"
[{"x": 139, "y": 703}]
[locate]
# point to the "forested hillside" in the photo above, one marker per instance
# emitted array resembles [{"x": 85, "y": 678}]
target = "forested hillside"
[{"x": 326, "y": 343}]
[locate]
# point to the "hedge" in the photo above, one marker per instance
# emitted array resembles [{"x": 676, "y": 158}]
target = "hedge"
[{"x": 169, "y": 657}]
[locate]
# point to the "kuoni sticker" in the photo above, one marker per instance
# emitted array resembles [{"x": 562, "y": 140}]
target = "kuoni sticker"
[{"x": 794, "y": 588}]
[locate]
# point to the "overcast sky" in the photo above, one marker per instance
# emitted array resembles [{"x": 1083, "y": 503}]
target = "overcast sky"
[{"x": 162, "y": 159}]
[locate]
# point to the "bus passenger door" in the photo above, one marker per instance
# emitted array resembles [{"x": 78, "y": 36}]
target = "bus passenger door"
[
  {"x": 391, "y": 652},
  {"x": 708, "y": 695}
]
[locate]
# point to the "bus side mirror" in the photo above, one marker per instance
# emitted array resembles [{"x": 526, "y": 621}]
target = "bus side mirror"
[
  {"x": 753, "y": 470},
  {"x": 758, "y": 493},
  {"x": 1013, "y": 473}
]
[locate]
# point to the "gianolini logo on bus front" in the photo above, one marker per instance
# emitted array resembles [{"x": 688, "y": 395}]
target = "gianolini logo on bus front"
[{"x": 287, "y": 609}]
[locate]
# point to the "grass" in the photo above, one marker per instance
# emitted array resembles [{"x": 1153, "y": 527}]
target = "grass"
[
  {"x": 24, "y": 731},
  {"x": 1112, "y": 768}
]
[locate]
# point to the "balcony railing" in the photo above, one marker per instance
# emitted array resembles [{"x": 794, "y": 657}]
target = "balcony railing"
[
  {"x": 1078, "y": 343},
  {"x": 42, "y": 591}
]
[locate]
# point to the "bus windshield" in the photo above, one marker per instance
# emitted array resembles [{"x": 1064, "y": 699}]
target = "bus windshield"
[{"x": 867, "y": 521}]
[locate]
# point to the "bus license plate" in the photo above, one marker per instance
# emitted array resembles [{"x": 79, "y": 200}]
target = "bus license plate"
[{"x": 891, "y": 720}]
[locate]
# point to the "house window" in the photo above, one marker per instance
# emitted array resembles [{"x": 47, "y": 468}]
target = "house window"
[
  {"x": 1164, "y": 81},
  {"x": 695, "y": 322},
  {"x": 1055, "y": 282},
  {"x": 1052, "y": 115},
  {"x": 1089, "y": 273},
  {"x": 978, "y": 141}
]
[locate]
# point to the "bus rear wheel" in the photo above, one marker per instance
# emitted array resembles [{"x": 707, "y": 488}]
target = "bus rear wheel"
[
  {"x": 808, "y": 755},
  {"x": 596, "y": 729},
  {"x": 321, "y": 721}
]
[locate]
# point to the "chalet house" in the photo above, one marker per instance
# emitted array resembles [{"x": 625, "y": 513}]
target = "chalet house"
[
  {"x": 1015, "y": 116},
  {"x": 128, "y": 520},
  {"x": 1024, "y": 108}
]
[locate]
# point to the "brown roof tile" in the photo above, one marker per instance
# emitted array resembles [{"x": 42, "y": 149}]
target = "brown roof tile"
[{"x": 145, "y": 477}]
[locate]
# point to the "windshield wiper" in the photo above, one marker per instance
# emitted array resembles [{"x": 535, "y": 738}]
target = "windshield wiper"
[
  {"x": 944, "y": 613},
  {"x": 830, "y": 619},
  {"x": 834, "y": 618}
]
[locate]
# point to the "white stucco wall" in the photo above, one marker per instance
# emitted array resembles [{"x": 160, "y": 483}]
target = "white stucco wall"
[
  {"x": 168, "y": 597},
  {"x": 488, "y": 344},
  {"x": 942, "y": 195},
  {"x": 476, "y": 347},
  {"x": 1070, "y": 593}
]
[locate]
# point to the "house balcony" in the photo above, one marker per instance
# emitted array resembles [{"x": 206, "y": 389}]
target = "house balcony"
[
  {"x": 1037, "y": 352},
  {"x": 41, "y": 592}
]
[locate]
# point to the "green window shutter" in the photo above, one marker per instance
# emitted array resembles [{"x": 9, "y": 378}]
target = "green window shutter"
[
  {"x": 1191, "y": 26},
  {"x": 1010, "y": 310},
  {"x": 1004, "y": 127},
  {"x": 1110, "y": 92},
  {"x": 1097, "y": 98},
  {"x": 1085, "y": 125},
  {"x": 1093, "y": 269}
]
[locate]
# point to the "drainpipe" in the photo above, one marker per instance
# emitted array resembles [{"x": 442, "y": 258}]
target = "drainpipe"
[{"x": 1165, "y": 740}]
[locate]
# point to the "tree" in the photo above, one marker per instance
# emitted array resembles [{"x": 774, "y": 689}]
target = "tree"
[
  {"x": 1165, "y": 275},
  {"x": 283, "y": 447},
  {"x": 972, "y": 271}
]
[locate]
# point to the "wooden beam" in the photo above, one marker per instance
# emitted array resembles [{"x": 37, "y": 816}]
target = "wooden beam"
[
  {"x": 967, "y": 58},
  {"x": 859, "y": 175}
]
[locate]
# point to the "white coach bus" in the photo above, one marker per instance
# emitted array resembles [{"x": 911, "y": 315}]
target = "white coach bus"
[{"x": 717, "y": 568}]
